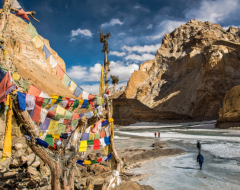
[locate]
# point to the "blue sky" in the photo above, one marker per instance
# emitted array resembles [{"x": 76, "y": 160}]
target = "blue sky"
[{"x": 137, "y": 28}]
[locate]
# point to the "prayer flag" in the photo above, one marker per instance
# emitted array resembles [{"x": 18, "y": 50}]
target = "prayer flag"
[
  {"x": 66, "y": 80},
  {"x": 67, "y": 122},
  {"x": 94, "y": 161},
  {"x": 101, "y": 88},
  {"x": 61, "y": 128},
  {"x": 50, "y": 114},
  {"x": 43, "y": 115},
  {"x": 23, "y": 84},
  {"x": 44, "y": 95},
  {"x": 75, "y": 116},
  {"x": 96, "y": 144},
  {"x": 80, "y": 162},
  {"x": 107, "y": 140},
  {"x": 15, "y": 4},
  {"x": 54, "y": 99},
  {"x": 84, "y": 105},
  {"x": 42, "y": 143},
  {"x": 68, "y": 129},
  {"x": 39, "y": 101},
  {"x": 60, "y": 109},
  {"x": 85, "y": 95},
  {"x": 110, "y": 120},
  {"x": 87, "y": 162},
  {"x": 75, "y": 105},
  {"x": 70, "y": 102},
  {"x": 91, "y": 136},
  {"x": 49, "y": 139},
  {"x": 58, "y": 116},
  {"x": 109, "y": 157},
  {"x": 30, "y": 102},
  {"x": 31, "y": 30},
  {"x": 52, "y": 127},
  {"x": 74, "y": 122},
  {"x": 107, "y": 131},
  {"x": 23, "y": 14},
  {"x": 85, "y": 136},
  {"x": 90, "y": 142},
  {"x": 99, "y": 160},
  {"x": 102, "y": 134},
  {"x": 98, "y": 100},
  {"x": 36, "y": 113},
  {"x": 83, "y": 146},
  {"x": 45, "y": 102},
  {"x": 15, "y": 76},
  {"x": 33, "y": 90},
  {"x": 97, "y": 136},
  {"x": 21, "y": 101},
  {"x": 90, "y": 96},
  {"x": 102, "y": 142},
  {"x": 46, "y": 51},
  {"x": 105, "y": 122},
  {"x": 72, "y": 86},
  {"x": 60, "y": 72},
  {"x": 45, "y": 124},
  {"x": 52, "y": 61},
  {"x": 89, "y": 115},
  {"x": 78, "y": 91},
  {"x": 37, "y": 41},
  {"x": 2, "y": 74},
  {"x": 5, "y": 84},
  {"x": 64, "y": 103},
  {"x": 68, "y": 115}
]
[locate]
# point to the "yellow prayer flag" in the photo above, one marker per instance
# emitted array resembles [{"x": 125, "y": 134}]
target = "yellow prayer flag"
[
  {"x": 37, "y": 41},
  {"x": 7, "y": 146},
  {"x": 52, "y": 126},
  {"x": 91, "y": 136},
  {"x": 101, "y": 88},
  {"x": 15, "y": 76},
  {"x": 73, "y": 86},
  {"x": 102, "y": 101},
  {"x": 110, "y": 120},
  {"x": 54, "y": 99},
  {"x": 83, "y": 146},
  {"x": 5, "y": 54},
  {"x": 60, "y": 109},
  {"x": 56, "y": 136},
  {"x": 87, "y": 162},
  {"x": 80, "y": 102}
]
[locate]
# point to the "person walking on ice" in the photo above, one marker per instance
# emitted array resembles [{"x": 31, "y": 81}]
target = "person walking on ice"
[
  {"x": 155, "y": 134},
  {"x": 199, "y": 146},
  {"x": 200, "y": 159},
  {"x": 158, "y": 135}
]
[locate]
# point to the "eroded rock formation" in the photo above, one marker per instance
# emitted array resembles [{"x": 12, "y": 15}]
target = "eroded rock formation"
[{"x": 192, "y": 71}]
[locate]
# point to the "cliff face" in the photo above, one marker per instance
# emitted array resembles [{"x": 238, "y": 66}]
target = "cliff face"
[
  {"x": 192, "y": 71},
  {"x": 30, "y": 62}
]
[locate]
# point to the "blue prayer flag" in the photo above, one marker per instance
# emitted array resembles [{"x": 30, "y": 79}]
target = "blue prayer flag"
[
  {"x": 46, "y": 51},
  {"x": 78, "y": 91},
  {"x": 2, "y": 74},
  {"x": 21, "y": 101}
]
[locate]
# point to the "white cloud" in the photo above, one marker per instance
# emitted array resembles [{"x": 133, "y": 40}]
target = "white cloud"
[
  {"x": 142, "y": 8},
  {"x": 227, "y": 27},
  {"x": 213, "y": 11},
  {"x": 121, "y": 33},
  {"x": 150, "y": 26},
  {"x": 112, "y": 22},
  {"x": 94, "y": 88},
  {"x": 141, "y": 49},
  {"x": 165, "y": 27},
  {"x": 119, "y": 54},
  {"x": 137, "y": 7},
  {"x": 84, "y": 32},
  {"x": 143, "y": 57},
  {"x": 118, "y": 68}
]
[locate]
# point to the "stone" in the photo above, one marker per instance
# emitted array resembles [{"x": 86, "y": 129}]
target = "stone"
[
  {"x": 18, "y": 146},
  {"x": 30, "y": 159},
  {"x": 106, "y": 169},
  {"x": 36, "y": 163},
  {"x": 33, "y": 171},
  {"x": 15, "y": 163},
  {"x": 23, "y": 159}
]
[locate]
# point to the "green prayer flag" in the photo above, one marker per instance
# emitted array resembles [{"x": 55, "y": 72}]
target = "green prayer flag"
[
  {"x": 58, "y": 116},
  {"x": 99, "y": 100},
  {"x": 90, "y": 142},
  {"x": 97, "y": 136},
  {"x": 87, "y": 105},
  {"x": 23, "y": 84},
  {"x": 61, "y": 128},
  {"x": 3, "y": 68},
  {"x": 45, "y": 102},
  {"x": 66, "y": 80},
  {"x": 68, "y": 115},
  {"x": 49, "y": 139},
  {"x": 31, "y": 30},
  {"x": 75, "y": 105},
  {"x": 94, "y": 161},
  {"x": 74, "y": 122}
]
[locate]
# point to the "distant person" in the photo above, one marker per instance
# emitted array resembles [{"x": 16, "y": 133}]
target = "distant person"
[
  {"x": 200, "y": 159},
  {"x": 199, "y": 146},
  {"x": 155, "y": 134},
  {"x": 158, "y": 135}
]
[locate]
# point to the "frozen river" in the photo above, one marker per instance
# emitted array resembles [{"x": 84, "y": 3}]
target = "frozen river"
[{"x": 220, "y": 148}]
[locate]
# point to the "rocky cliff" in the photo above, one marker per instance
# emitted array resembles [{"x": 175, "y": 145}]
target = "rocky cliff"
[{"x": 192, "y": 71}]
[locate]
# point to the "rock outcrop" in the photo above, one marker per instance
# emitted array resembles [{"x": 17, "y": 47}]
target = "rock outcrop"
[
  {"x": 192, "y": 71},
  {"x": 229, "y": 114}
]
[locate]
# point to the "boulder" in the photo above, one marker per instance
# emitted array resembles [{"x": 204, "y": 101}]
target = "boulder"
[
  {"x": 30, "y": 159},
  {"x": 33, "y": 171}
]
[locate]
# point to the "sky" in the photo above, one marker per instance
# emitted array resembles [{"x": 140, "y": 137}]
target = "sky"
[{"x": 136, "y": 26}]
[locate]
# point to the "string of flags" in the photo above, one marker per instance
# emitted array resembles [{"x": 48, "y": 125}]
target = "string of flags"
[{"x": 88, "y": 162}]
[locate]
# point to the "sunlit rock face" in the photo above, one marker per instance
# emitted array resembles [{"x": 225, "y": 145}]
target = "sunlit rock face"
[{"x": 192, "y": 71}]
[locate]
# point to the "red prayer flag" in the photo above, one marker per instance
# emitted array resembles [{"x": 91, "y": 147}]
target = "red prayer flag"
[
  {"x": 99, "y": 160},
  {"x": 96, "y": 144},
  {"x": 67, "y": 122},
  {"x": 33, "y": 90},
  {"x": 68, "y": 129},
  {"x": 90, "y": 96},
  {"x": 75, "y": 116},
  {"x": 39, "y": 101},
  {"x": 70, "y": 102},
  {"x": 50, "y": 114},
  {"x": 60, "y": 72},
  {"x": 102, "y": 134},
  {"x": 36, "y": 113},
  {"x": 4, "y": 86},
  {"x": 23, "y": 14},
  {"x": 91, "y": 102}
]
